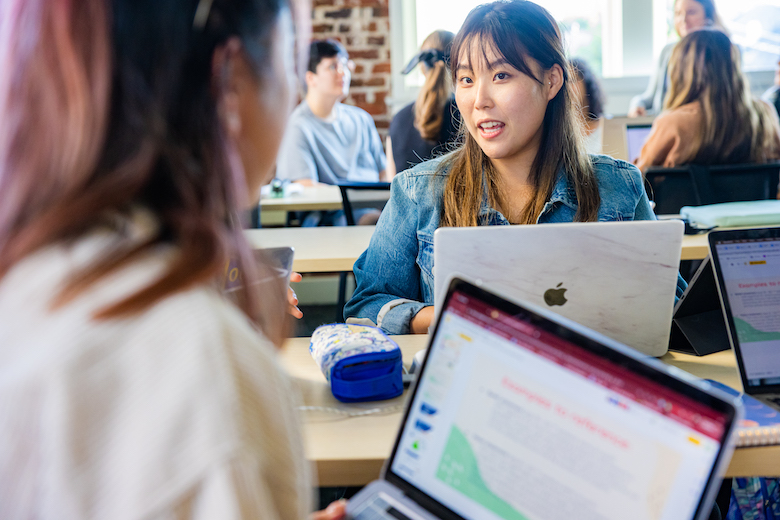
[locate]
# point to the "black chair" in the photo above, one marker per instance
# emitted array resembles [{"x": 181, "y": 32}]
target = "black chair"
[
  {"x": 355, "y": 195},
  {"x": 696, "y": 185}
]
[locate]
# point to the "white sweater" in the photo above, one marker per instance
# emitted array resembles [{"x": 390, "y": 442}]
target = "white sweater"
[{"x": 179, "y": 412}]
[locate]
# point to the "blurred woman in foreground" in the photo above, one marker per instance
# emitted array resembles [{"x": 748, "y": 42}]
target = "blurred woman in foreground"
[{"x": 132, "y": 133}]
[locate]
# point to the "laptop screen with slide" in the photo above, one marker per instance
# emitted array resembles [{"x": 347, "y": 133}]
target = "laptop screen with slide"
[
  {"x": 636, "y": 135},
  {"x": 517, "y": 417},
  {"x": 747, "y": 264}
]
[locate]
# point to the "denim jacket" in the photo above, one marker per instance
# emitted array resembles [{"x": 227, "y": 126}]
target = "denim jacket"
[{"x": 394, "y": 276}]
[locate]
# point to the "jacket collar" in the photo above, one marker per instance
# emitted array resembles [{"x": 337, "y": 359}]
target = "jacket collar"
[{"x": 562, "y": 192}]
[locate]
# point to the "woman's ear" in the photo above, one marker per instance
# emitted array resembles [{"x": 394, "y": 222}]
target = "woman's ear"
[
  {"x": 226, "y": 70},
  {"x": 553, "y": 81}
]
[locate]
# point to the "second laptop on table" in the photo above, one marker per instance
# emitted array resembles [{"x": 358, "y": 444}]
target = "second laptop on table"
[{"x": 747, "y": 268}]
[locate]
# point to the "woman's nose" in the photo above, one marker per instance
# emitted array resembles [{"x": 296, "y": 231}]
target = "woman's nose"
[{"x": 484, "y": 98}]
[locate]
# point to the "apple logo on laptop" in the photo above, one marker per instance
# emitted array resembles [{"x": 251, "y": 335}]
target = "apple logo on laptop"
[{"x": 555, "y": 296}]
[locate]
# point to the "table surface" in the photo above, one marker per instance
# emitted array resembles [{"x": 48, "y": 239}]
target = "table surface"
[
  {"x": 322, "y": 197},
  {"x": 350, "y": 451},
  {"x": 310, "y": 198},
  {"x": 335, "y": 249},
  {"x": 317, "y": 249}
]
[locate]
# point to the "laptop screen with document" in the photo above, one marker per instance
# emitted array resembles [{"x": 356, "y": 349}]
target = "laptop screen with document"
[
  {"x": 636, "y": 135},
  {"x": 747, "y": 264},
  {"x": 512, "y": 414}
]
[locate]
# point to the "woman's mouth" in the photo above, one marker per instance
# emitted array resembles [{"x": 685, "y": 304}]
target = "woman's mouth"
[{"x": 490, "y": 129}]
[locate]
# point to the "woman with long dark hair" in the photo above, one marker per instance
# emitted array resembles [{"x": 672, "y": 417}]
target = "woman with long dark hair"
[{"x": 522, "y": 161}]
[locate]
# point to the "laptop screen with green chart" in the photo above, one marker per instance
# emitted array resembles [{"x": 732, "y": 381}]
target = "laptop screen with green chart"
[{"x": 522, "y": 415}]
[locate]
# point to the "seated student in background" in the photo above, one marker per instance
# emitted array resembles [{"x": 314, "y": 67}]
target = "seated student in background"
[
  {"x": 689, "y": 16},
  {"x": 131, "y": 387},
  {"x": 710, "y": 116},
  {"x": 772, "y": 96},
  {"x": 423, "y": 129},
  {"x": 327, "y": 141},
  {"x": 590, "y": 100},
  {"x": 522, "y": 162}
]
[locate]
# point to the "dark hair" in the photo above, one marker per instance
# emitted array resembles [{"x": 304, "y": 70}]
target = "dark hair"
[
  {"x": 519, "y": 32},
  {"x": 594, "y": 94},
  {"x": 321, "y": 49},
  {"x": 709, "y": 9},
  {"x": 130, "y": 119}
]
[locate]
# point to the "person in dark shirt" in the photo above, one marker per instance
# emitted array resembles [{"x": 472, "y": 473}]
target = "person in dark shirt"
[{"x": 423, "y": 129}]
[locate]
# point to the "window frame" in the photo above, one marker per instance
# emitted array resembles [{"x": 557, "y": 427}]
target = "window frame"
[{"x": 636, "y": 45}]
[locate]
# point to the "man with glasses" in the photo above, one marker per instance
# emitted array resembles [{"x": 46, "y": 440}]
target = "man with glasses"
[{"x": 327, "y": 141}]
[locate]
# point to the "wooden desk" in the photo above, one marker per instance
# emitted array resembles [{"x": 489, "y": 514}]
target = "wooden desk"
[
  {"x": 335, "y": 249},
  {"x": 311, "y": 198},
  {"x": 318, "y": 249},
  {"x": 695, "y": 247},
  {"x": 322, "y": 197},
  {"x": 350, "y": 451},
  {"x": 346, "y": 451}
]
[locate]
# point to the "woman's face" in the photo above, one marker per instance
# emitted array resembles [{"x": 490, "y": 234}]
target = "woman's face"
[
  {"x": 263, "y": 106},
  {"x": 502, "y": 108},
  {"x": 689, "y": 16}
]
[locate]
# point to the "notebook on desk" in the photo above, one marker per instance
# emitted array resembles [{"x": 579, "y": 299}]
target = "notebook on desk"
[
  {"x": 747, "y": 268},
  {"x": 618, "y": 278},
  {"x": 520, "y": 414}
]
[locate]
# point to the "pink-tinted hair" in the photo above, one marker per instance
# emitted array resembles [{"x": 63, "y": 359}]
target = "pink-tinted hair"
[{"x": 97, "y": 120}]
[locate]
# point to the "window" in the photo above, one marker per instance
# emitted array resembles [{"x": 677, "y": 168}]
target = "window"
[{"x": 620, "y": 39}]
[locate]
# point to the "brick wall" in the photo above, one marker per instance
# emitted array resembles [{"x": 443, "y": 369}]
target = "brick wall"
[{"x": 363, "y": 26}]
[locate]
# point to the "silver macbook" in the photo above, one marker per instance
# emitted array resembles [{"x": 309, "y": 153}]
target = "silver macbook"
[
  {"x": 618, "y": 278},
  {"x": 520, "y": 414},
  {"x": 747, "y": 269}
]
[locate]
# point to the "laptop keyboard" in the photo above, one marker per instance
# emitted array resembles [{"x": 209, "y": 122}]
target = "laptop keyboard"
[{"x": 379, "y": 509}]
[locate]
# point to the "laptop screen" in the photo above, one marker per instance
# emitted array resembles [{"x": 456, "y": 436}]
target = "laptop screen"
[
  {"x": 636, "y": 135},
  {"x": 749, "y": 269},
  {"x": 510, "y": 420}
]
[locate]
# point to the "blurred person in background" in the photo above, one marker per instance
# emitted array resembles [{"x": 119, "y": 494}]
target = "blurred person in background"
[
  {"x": 328, "y": 141},
  {"x": 709, "y": 115},
  {"x": 591, "y": 101},
  {"x": 772, "y": 96},
  {"x": 689, "y": 15},
  {"x": 133, "y": 133},
  {"x": 423, "y": 129}
]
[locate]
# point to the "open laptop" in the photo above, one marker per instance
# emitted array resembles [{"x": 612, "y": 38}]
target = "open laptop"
[
  {"x": 520, "y": 414},
  {"x": 618, "y": 278},
  {"x": 636, "y": 135},
  {"x": 616, "y": 136},
  {"x": 747, "y": 268}
]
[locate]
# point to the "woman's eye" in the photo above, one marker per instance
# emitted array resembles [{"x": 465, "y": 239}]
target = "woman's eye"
[
  {"x": 465, "y": 79},
  {"x": 502, "y": 76}
]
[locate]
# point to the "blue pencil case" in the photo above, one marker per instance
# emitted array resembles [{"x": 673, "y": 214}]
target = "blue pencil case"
[{"x": 360, "y": 362}]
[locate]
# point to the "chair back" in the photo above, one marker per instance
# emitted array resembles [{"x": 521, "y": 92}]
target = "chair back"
[
  {"x": 359, "y": 195},
  {"x": 696, "y": 185}
]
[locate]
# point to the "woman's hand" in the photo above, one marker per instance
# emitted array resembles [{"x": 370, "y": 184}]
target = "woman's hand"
[
  {"x": 422, "y": 320},
  {"x": 637, "y": 112},
  {"x": 335, "y": 511},
  {"x": 292, "y": 298}
]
